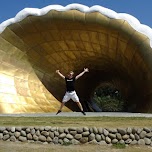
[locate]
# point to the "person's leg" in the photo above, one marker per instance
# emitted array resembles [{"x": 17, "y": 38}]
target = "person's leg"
[
  {"x": 79, "y": 105},
  {"x": 64, "y": 100},
  {"x": 62, "y": 104},
  {"x": 75, "y": 98}
]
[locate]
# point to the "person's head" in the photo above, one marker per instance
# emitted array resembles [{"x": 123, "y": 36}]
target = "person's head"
[{"x": 71, "y": 74}]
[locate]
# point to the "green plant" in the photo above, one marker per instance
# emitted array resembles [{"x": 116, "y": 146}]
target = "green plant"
[
  {"x": 119, "y": 146},
  {"x": 109, "y": 104},
  {"x": 67, "y": 143}
]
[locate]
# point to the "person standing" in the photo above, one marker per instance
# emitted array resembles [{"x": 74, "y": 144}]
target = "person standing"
[{"x": 70, "y": 89}]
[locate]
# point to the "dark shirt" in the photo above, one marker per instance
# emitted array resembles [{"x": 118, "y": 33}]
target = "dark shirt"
[{"x": 70, "y": 84}]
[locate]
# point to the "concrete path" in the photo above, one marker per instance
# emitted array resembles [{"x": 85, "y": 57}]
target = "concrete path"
[{"x": 79, "y": 114}]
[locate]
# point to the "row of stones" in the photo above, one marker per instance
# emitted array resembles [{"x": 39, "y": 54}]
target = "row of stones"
[{"x": 55, "y": 135}]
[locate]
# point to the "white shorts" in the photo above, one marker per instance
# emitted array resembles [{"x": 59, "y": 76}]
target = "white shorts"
[{"x": 70, "y": 95}]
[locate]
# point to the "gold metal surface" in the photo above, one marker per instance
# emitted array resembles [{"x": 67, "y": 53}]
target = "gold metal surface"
[{"x": 34, "y": 48}]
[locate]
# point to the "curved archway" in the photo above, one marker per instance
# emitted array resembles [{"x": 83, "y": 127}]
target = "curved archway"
[{"x": 33, "y": 48}]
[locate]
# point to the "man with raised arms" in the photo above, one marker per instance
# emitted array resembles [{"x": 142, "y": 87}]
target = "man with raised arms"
[{"x": 70, "y": 89}]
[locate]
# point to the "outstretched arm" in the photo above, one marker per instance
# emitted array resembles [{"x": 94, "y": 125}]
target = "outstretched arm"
[
  {"x": 82, "y": 73},
  {"x": 60, "y": 74}
]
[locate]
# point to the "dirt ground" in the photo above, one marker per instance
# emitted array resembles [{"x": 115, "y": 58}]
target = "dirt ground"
[{"x": 27, "y": 147}]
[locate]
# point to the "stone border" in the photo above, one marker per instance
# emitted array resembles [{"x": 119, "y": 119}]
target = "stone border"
[{"x": 73, "y": 135}]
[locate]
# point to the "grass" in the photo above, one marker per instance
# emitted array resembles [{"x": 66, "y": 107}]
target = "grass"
[
  {"x": 110, "y": 122},
  {"x": 119, "y": 146},
  {"x": 25, "y": 147}
]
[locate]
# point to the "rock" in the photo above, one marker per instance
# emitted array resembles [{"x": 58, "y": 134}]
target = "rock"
[
  {"x": 85, "y": 134},
  {"x": 142, "y": 134},
  {"x": 102, "y": 143},
  {"x": 11, "y": 133},
  {"x": 73, "y": 133},
  {"x": 35, "y": 138},
  {"x": 49, "y": 139},
  {"x": 91, "y": 136},
  {"x": 23, "y": 139},
  {"x": 121, "y": 131},
  {"x": 103, "y": 137},
  {"x": 1, "y": 136},
  {"x": 17, "y": 134},
  {"x": 100, "y": 130},
  {"x": 47, "y": 128},
  {"x": 36, "y": 128},
  {"x": 112, "y": 136},
  {"x": 91, "y": 130},
  {"x": 51, "y": 134},
  {"x": 60, "y": 141},
  {"x": 141, "y": 142},
  {"x": 6, "y": 137},
  {"x": 129, "y": 130},
  {"x": 42, "y": 138},
  {"x": 32, "y": 131},
  {"x": 125, "y": 137},
  {"x": 132, "y": 136},
  {"x": 45, "y": 133},
  {"x": 18, "y": 129},
  {"x": 128, "y": 141},
  {"x": 66, "y": 130},
  {"x": 72, "y": 129},
  {"x": 5, "y": 132},
  {"x": 75, "y": 142},
  {"x": 134, "y": 142},
  {"x": 28, "y": 130},
  {"x": 149, "y": 135},
  {"x": 65, "y": 140},
  {"x": 105, "y": 132},
  {"x": 12, "y": 138},
  {"x": 55, "y": 140},
  {"x": 118, "y": 136},
  {"x": 63, "y": 135},
  {"x": 56, "y": 133},
  {"x": 8, "y": 128},
  {"x": 122, "y": 141},
  {"x": 61, "y": 130},
  {"x": 95, "y": 130},
  {"x": 45, "y": 143},
  {"x": 29, "y": 137},
  {"x": 31, "y": 141},
  {"x": 93, "y": 142},
  {"x": 84, "y": 140},
  {"x": 78, "y": 136},
  {"x": 13, "y": 129},
  {"x": 139, "y": 130},
  {"x": 98, "y": 137},
  {"x": 137, "y": 137},
  {"x": 114, "y": 141},
  {"x": 2, "y": 129},
  {"x": 134, "y": 130},
  {"x": 85, "y": 129},
  {"x": 114, "y": 131},
  {"x": 38, "y": 133},
  {"x": 38, "y": 142},
  {"x": 24, "y": 128},
  {"x": 147, "y": 141},
  {"x": 23, "y": 133},
  {"x": 53, "y": 129},
  {"x": 147, "y": 129},
  {"x": 79, "y": 130},
  {"x": 69, "y": 136},
  {"x": 108, "y": 140},
  {"x": 41, "y": 128}
]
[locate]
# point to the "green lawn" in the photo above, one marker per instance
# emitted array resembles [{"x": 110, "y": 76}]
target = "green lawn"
[{"x": 111, "y": 122}]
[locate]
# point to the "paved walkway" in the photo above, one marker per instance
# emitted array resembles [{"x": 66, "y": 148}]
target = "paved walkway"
[{"x": 79, "y": 114}]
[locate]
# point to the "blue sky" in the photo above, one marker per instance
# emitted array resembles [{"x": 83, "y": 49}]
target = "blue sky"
[{"x": 141, "y": 9}]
